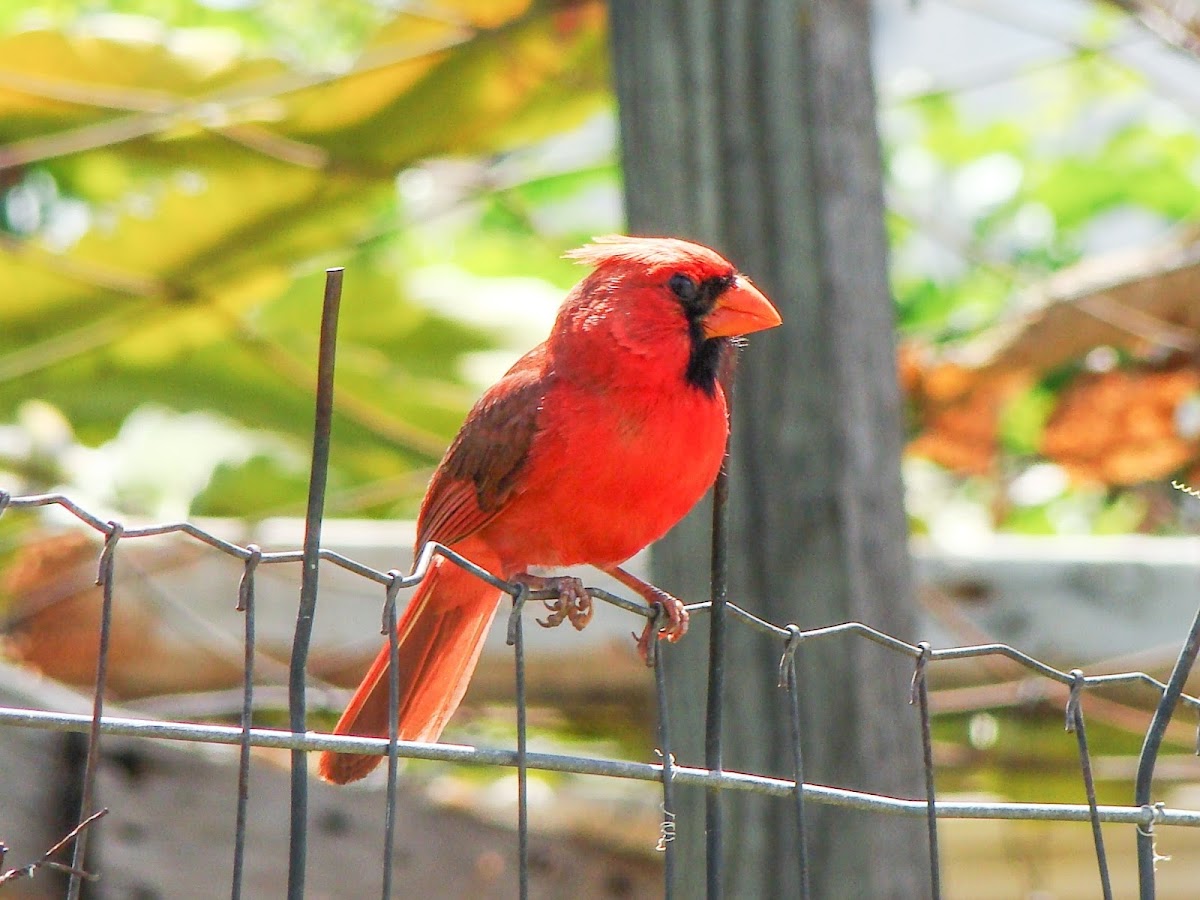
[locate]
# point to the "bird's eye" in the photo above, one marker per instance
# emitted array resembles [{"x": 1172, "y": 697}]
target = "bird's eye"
[{"x": 684, "y": 287}]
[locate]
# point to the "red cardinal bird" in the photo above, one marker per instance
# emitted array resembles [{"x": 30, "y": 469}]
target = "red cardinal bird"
[{"x": 589, "y": 448}]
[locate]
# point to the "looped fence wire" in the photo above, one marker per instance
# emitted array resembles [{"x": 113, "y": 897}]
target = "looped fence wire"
[
  {"x": 919, "y": 697},
  {"x": 245, "y": 604}
]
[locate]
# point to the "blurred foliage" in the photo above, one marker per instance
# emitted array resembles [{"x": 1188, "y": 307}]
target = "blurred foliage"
[
  {"x": 1071, "y": 158},
  {"x": 984, "y": 210},
  {"x": 174, "y": 177},
  {"x": 305, "y": 32}
]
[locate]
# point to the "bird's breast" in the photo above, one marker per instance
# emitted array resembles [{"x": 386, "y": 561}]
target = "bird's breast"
[{"x": 608, "y": 475}]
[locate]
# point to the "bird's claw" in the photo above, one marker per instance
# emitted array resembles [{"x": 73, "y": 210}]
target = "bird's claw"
[
  {"x": 676, "y": 625},
  {"x": 573, "y": 604}
]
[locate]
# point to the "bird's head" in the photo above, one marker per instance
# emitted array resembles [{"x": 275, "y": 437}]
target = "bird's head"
[{"x": 663, "y": 297}]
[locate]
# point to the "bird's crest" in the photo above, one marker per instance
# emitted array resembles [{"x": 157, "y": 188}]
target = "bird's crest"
[{"x": 648, "y": 252}]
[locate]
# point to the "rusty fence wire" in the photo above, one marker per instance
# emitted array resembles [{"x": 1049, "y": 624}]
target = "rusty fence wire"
[{"x": 1143, "y": 814}]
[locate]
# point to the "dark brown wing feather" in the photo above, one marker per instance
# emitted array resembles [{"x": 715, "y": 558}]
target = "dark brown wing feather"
[{"x": 484, "y": 463}]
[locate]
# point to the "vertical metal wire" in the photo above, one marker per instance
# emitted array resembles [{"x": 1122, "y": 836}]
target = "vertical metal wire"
[
  {"x": 393, "y": 639},
  {"x": 920, "y": 698},
  {"x": 666, "y": 842},
  {"x": 323, "y": 420},
  {"x": 789, "y": 680},
  {"x": 1149, "y": 755},
  {"x": 104, "y": 577},
  {"x": 516, "y": 640},
  {"x": 1075, "y": 724},
  {"x": 245, "y": 605},
  {"x": 716, "y": 681}
]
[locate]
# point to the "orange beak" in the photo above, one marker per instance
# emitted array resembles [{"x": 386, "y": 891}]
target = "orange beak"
[{"x": 741, "y": 309}]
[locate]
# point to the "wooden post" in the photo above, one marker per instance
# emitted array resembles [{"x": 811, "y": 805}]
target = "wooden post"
[{"x": 750, "y": 125}]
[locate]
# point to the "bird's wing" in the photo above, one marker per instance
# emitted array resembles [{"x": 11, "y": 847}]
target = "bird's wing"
[{"x": 483, "y": 466}]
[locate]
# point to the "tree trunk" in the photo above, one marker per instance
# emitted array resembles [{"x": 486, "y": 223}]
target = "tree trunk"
[{"x": 750, "y": 126}]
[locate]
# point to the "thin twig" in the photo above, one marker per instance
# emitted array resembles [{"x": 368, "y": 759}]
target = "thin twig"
[{"x": 30, "y": 870}]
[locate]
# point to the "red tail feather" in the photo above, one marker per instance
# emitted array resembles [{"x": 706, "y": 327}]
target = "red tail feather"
[{"x": 440, "y": 637}]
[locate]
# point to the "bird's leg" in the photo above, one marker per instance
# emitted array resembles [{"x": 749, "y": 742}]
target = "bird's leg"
[
  {"x": 677, "y": 615},
  {"x": 573, "y": 604}
]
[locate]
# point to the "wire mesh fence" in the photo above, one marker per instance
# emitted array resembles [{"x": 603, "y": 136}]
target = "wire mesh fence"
[{"x": 1144, "y": 814}]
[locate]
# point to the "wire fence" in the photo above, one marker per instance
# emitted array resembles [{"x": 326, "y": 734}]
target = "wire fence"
[{"x": 1144, "y": 814}]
